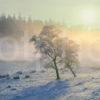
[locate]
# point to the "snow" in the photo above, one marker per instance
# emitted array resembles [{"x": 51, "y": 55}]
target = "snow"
[
  {"x": 41, "y": 85},
  {"x": 50, "y": 91}
]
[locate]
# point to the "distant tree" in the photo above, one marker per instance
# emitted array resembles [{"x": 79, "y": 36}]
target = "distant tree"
[
  {"x": 10, "y": 27},
  {"x": 55, "y": 48},
  {"x": 17, "y": 27}
]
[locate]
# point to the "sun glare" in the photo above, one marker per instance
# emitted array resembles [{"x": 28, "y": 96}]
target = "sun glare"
[{"x": 88, "y": 16}]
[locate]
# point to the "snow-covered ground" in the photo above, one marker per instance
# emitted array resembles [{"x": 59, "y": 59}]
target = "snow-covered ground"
[{"x": 41, "y": 85}]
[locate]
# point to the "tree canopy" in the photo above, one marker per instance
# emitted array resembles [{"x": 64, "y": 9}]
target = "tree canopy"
[{"x": 55, "y": 48}]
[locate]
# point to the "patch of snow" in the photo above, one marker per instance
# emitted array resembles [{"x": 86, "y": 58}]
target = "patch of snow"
[{"x": 42, "y": 85}]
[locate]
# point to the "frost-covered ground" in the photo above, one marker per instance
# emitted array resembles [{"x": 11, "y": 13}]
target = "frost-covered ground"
[{"x": 41, "y": 85}]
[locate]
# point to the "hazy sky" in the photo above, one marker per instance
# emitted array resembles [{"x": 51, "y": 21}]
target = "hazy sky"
[
  {"x": 71, "y": 12},
  {"x": 68, "y": 11}
]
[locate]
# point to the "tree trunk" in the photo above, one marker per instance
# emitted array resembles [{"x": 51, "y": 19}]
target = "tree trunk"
[
  {"x": 72, "y": 71},
  {"x": 56, "y": 69}
]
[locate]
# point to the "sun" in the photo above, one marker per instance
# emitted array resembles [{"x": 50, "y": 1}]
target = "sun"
[{"x": 88, "y": 16}]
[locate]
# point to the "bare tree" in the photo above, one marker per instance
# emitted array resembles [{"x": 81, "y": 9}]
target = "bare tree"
[
  {"x": 56, "y": 48},
  {"x": 71, "y": 56}
]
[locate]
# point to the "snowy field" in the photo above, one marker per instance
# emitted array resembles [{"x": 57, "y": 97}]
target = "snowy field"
[{"x": 41, "y": 85}]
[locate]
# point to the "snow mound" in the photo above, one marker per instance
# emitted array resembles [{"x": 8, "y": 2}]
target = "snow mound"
[
  {"x": 41, "y": 85},
  {"x": 50, "y": 91},
  {"x": 95, "y": 95}
]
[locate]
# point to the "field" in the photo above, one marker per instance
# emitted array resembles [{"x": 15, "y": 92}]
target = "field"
[{"x": 41, "y": 85}]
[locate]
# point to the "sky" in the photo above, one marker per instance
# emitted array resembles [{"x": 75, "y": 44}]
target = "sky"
[
  {"x": 66, "y": 11},
  {"x": 70, "y": 12}
]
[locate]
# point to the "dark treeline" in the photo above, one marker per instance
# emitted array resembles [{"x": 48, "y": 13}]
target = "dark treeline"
[{"x": 17, "y": 27}]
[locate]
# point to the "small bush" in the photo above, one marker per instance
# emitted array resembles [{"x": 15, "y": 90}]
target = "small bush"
[
  {"x": 16, "y": 77},
  {"x": 19, "y": 72},
  {"x": 27, "y": 76},
  {"x": 4, "y": 76},
  {"x": 8, "y": 86},
  {"x": 13, "y": 89},
  {"x": 33, "y": 71}
]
